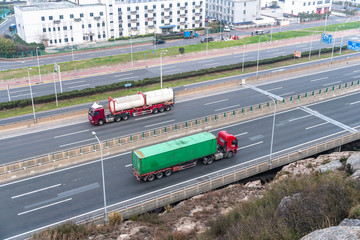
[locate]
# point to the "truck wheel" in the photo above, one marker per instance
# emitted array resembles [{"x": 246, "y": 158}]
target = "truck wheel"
[
  {"x": 155, "y": 111},
  {"x": 161, "y": 109},
  {"x": 159, "y": 175},
  {"x": 210, "y": 160},
  {"x": 101, "y": 122},
  {"x": 151, "y": 178},
  {"x": 168, "y": 173},
  {"x": 125, "y": 117},
  {"x": 229, "y": 154},
  {"x": 117, "y": 118},
  {"x": 168, "y": 108}
]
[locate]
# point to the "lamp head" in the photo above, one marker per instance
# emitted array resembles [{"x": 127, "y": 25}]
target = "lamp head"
[{"x": 93, "y": 133}]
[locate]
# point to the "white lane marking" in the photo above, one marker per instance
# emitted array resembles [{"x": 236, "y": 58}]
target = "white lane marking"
[
  {"x": 68, "y": 83},
  {"x": 172, "y": 70},
  {"x": 330, "y": 84},
  {"x": 68, "y": 144},
  {"x": 205, "y": 61},
  {"x": 210, "y": 64},
  {"x": 168, "y": 67},
  {"x": 216, "y": 102},
  {"x": 354, "y": 102},
  {"x": 123, "y": 74},
  {"x": 274, "y": 50},
  {"x": 279, "y": 70},
  {"x": 240, "y": 134},
  {"x": 39, "y": 190},
  {"x": 14, "y": 96},
  {"x": 316, "y": 125},
  {"x": 159, "y": 114},
  {"x": 128, "y": 78},
  {"x": 129, "y": 165},
  {"x": 294, "y": 119},
  {"x": 25, "y": 90},
  {"x": 160, "y": 123},
  {"x": 356, "y": 71},
  {"x": 286, "y": 93},
  {"x": 237, "y": 105},
  {"x": 80, "y": 86},
  {"x": 49, "y": 205},
  {"x": 250, "y": 145},
  {"x": 356, "y": 77},
  {"x": 319, "y": 79},
  {"x": 64, "y": 135},
  {"x": 273, "y": 89}
]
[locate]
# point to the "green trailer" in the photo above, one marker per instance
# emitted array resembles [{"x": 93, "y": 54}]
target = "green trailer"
[{"x": 172, "y": 155}]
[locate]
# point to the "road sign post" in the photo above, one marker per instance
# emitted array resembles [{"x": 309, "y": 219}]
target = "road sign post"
[
  {"x": 57, "y": 68},
  {"x": 353, "y": 46}
]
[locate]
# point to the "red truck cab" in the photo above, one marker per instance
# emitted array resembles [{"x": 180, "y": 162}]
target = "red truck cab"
[
  {"x": 96, "y": 114},
  {"x": 227, "y": 142}
]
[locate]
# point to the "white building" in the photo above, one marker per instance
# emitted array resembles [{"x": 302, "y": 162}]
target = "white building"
[
  {"x": 233, "y": 11},
  {"x": 99, "y": 20},
  {"x": 294, "y": 7}
]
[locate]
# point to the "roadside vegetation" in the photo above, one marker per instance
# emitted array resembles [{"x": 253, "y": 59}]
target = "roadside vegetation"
[{"x": 322, "y": 200}]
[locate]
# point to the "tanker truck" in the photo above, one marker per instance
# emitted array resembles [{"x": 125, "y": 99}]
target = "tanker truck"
[
  {"x": 163, "y": 159},
  {"x": 133, "y": 105}
]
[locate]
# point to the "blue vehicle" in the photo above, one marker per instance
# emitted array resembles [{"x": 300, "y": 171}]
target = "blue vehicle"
[
  {"x": 190, "y": 34},
  {"x": 12, "y": 27}
]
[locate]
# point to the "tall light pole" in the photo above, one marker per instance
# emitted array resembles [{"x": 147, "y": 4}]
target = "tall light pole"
[
  {"x": 332, "y": 51},
  {"x": 242, "y": 70},
  {"x": 72, "y": 52},
  {"x": 207, "y": 41},
  {"x": 37, "y": 57},
  {"x": 154, "y": 36},
  {"x": 310, "y": 46},
  {"x": 31, "y": 95},
  {"x": 324, "y": 33},
  {"x": 161, "y": 53},
  {"x": 273, "y": 129},
  {"x": 102, "y": 173},
  {"x": 132, "y": 62},
  {"x": 257, "y": 63}
]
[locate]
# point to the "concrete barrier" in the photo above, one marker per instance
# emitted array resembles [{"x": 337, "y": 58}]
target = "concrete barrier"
[{"x": 122, "y": 144}]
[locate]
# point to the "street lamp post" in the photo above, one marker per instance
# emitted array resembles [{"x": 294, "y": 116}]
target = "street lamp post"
[
  {"x": 31, "y": 95},
  {"x": 310, "y": 46},
  {"x": 332, "y": 51},
  {"x": 258, "y": 53},
  {"x": 132, "y": 63},
  {"x": 154, "y": 36},
  {"x": 207, "y": 41},
  {"x": 272, "y": 132},
  {"x": 72, "y": 52},
  {"x": 102, "y": 173},
  {"x": 37, "y": 57},
  {"x": 161, "y": 53},
  {"x": 242, "y": 70}
]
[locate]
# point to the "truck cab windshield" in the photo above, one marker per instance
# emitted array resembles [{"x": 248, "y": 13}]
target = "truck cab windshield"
[{"x": 91, "y": 112}]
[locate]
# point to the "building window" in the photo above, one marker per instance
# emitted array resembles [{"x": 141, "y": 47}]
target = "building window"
[
  {"x": 49, "y": 29},
  {"x": 55, "y": 41},
  {"x": 65, "y": 27},
  {"x": 244, "y": 12},
  {"x": 59, "y": 40},
  {"x": 50, "y": 41},
  {"x": 61, "y": 16},
  {"x": 102, "y": 14},
  {"x": 146, "y": 23},
  {"x": 178, "y": 12},
  {"x": 91, "y": 14},
  {"x": 50, "y": 17},
  {"x": 145, "y": 7},
  {"x": 72, "y": 39},
  {"x": 137, "y": 8},
  {"x": 162, "y": 21},
  {"x": 128, "y": 9},
  {"x": 154, "y": 6},
  {"x": 129, "y": 16},
  {"x": 244, "y": 4},
  {"x": 178, "y": 4},
  {"x": 162, "y": 13},
  {"x": 81, "y": 15},
  {"x": 103, "y": 24},
  {"x": 98, "y": 24},
  {"x": 83, "y": 26},
  {"x": 89, "y": 25},
  {"x": 58, "y": 28},
  {"x": 170, "y": 5},
  {"x": 137, "y": 24},
  {"x": 129, "y": 24},
  {"x": 111, "y": 13},
  {"x": 54, "y": 29},
  {"x": 162, "y": 5},
  {"x": 71, "y": 15},
  {"x": 99, "y": 36},
  {"x": 111, "y": 21},
  {"x": 146, "y": 15},
  {"x": 44, "y": 29},
  {"x": 66, "y": 40},
  {"x": 178, "y": 19},
  {"x": 105, "y": 36},
  {"x": 42, "y": 18},
  {"x": 70, "y": 27}
]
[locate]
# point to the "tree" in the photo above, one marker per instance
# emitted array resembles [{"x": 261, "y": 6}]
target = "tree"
[
  {"x": 7, "y": 46},
  {"x": 181, "y": 50}
]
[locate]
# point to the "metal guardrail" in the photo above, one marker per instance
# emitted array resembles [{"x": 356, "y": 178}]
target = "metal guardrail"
[{"x": 194, "y": 125}]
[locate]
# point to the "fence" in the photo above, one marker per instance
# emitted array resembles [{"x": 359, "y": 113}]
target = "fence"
[{"x": 124, "y": 143}]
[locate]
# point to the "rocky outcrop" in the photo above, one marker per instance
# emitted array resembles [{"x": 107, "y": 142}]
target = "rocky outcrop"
[
  {"x": 335, "y": 233},
  {"x": 353, "y": 163},
  {"x": 350, "y": 222},
  {"x": 331, "y": 166}
]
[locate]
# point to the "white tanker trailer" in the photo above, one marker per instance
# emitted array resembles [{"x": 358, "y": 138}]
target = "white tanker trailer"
[{"x": 133, "y": 105}]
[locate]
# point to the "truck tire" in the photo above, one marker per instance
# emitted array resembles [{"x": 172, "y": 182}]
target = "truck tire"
[
  {"x": 159, "y": 175},
  {"x": 208, "y": 160},
  {"x": 151, "y": 178},
  {"x": 117, "y": 118},
  {"x": 167, "y": 108},
  {"x": 125, "y": 117},
  {"x": 155, "y": 111},
  {"x": 229, "y": 154},
  {"x": 161, "y": 109},
  {"x": 168, "y": 173},
  {"x": 101, "y": 122}
]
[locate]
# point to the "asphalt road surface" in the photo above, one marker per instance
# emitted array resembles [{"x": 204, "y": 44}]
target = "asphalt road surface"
[{"x": 76, "y": 192}]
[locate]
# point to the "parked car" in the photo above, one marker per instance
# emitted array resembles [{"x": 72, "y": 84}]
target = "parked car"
[
  {"x": 207, "y": 39},
  {"x": 226, "y": 29},
  {"x": 232, "y": 27},
  {"x": 159, "y": 41}
]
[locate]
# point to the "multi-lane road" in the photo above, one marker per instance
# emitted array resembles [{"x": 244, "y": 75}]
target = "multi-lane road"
[{"x": 76, "y": 192}]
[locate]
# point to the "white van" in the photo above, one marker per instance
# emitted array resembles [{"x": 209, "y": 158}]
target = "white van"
[{"x": 226, "y": 29}]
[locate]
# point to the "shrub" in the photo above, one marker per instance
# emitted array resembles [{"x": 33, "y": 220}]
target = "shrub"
[
  {"x": 355, "y": 212},
  {"x": 115, "y": 218},
  {"x": 181, "y": 50}
]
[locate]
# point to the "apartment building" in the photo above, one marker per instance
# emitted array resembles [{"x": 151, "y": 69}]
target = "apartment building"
[
  {"x": 294, "y": 7},
  {"x": 233, "y": 11},
  {"x": 81, "y": 21}
]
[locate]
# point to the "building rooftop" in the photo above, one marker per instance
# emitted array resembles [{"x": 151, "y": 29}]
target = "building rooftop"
[{"x": 40, "y": 5}]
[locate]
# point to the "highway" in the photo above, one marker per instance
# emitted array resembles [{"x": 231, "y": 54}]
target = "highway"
[
  {"x": 32, "y": 62},
  {"x": 17, "y": 146},
  {"x": 40, "y": 201},
  {"x": 168, "y": 69}
]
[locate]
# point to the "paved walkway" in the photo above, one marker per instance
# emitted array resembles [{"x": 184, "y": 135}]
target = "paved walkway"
[{"x": 48, "y": 78}]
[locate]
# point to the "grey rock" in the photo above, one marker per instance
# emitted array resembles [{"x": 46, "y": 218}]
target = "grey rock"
[
  {"x": 335, "y": 233},
  {"x": 355, "y": 176},
  {"x": 353, "y": 162},
  {"x": 332, "y": 166},
  {"x": 286, "y": 204},
  {"x": 350, "y": 222}
]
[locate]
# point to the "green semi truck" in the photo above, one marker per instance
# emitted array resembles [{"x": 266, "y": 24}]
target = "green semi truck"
[{"x": 165, "y": 158}]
